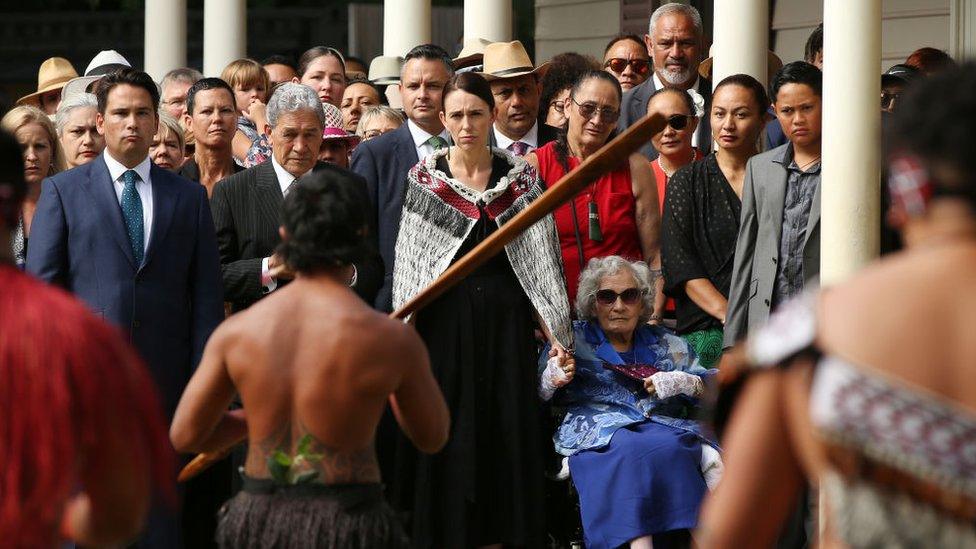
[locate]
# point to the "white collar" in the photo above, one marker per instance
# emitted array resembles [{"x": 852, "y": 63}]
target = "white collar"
[
  {"x": 420, "y": 135},
  {"x": 116, "y": 168},
  {"x": 531, "y": 137},
  {"x": 285, "y": 178},
  {"x": 658, "y": 84}
]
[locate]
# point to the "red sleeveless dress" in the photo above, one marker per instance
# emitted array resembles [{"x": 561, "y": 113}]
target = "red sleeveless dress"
[{"x": 614, "y": 197}]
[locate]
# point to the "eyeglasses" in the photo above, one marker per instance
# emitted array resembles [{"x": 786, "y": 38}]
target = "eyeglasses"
[
  {"x": 587, "y": 110},
  {"x": 628, "y": 296},
  {"x": 618, "y": 64},
  {"x": 888, "y": 99},
  {"x": 557, "y": 105},
  {"x": 678, "y": 121}
]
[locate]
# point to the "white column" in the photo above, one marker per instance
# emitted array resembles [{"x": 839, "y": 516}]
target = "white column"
[
  {"x": 488, "y": 19},
  {"x": 741, "y": 39},
  {"x": 406, "y": 23},
  {"x": 164, "y": 39},
  {"x": 224, "y": 34},
  {"x": 850, "y": 176},
  {"x": 962, "y": 29}
]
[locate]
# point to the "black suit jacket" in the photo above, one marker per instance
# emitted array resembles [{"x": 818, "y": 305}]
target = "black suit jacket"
[
  {"x": 247, "y": 213},
  {"x": 633, "y": 107},
  {"x": 384, "y": 162},
  {"x": 546, "y": 133}
]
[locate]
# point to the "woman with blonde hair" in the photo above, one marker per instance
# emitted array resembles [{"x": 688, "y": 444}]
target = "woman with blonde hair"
[
  {"x": 251, "y": 85},
  {"x": 168, "y": 146},
  {"x": 378, "y": 120},
  {"x": 43, "y": 157}
]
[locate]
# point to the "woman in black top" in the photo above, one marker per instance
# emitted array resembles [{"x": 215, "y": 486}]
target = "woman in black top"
[{"x": 701, "y": 216}]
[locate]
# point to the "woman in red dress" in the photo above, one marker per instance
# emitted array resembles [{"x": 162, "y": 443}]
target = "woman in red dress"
[{"x": 619, "y": 213}]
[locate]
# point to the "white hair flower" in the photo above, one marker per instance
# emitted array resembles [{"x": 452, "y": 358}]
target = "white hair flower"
[{"x": 699, "y": 102}]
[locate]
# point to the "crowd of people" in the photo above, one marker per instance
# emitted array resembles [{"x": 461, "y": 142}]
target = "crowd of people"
[{"x": 247, "y": 236}]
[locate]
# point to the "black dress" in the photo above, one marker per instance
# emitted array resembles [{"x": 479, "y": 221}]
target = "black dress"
[
  {"x": 699, "y": 229},
  {"x": 487, "y": 484}
]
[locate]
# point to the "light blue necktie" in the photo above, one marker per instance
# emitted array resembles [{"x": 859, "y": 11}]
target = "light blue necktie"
[{"x": 132, "y": 214}]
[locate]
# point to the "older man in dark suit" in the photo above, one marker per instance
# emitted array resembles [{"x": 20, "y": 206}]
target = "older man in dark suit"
[
  {"x": 385, "y": 161},
  {"x": 675, "y": 45},
  {"x": 246, "y": 205},
  {"x": 136, "y": 243}
]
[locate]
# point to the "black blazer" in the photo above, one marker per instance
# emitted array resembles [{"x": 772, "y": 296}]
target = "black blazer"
[
  {"x": 247, "y": 213},
  {"x": 633, "y": 107},
  {"x": 384, "y": 162}
]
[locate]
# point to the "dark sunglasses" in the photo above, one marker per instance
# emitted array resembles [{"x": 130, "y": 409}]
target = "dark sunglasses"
[
  {"x": 678, "y": 121},
  {"x": 628, "y": 296},
  {"x": 618, "y": 64},
  {"x": 888, "y": 98},
  {"x": 587, "y": 110}
]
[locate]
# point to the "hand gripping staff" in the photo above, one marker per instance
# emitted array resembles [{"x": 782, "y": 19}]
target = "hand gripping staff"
[{"x": 604, "y": 160}]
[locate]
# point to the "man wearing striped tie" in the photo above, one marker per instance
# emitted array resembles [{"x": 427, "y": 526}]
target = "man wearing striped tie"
[
  {"x": 516, "y": 85},
  {"x": 136, "y": 243}
]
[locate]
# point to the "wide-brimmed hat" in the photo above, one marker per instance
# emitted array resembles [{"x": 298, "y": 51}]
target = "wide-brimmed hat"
[
  {"x": 508, "y": 60},
  {"x": 334, "y": 126},
  {"x": 773, "y": 65},
  {"x": 471, "y": 54},
  {"x": 52, "y": 75},
  {"x": 385, "y": 70},
  {"x": 103, "y": 63}
]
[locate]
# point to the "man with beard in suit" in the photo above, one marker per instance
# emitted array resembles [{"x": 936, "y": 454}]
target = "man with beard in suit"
[
  {"x": 675, "y": 44},
  {"x": 246, "y": 205},
  {"x": 516, "y": 85}
]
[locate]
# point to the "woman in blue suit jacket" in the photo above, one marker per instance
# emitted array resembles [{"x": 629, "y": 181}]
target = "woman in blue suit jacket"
[{"x": 636, "y": 458}]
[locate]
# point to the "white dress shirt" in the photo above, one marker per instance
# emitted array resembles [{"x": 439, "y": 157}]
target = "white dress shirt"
[
  {"x": 531, "y": 138},
  {"x": 143, "y": 186},
  {"x": 285, "y": 179},
  {"x": 658, "y": 85},
  {"x": 420, "y": 137}
]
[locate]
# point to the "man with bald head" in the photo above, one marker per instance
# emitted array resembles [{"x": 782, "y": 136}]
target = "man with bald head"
[{"x": 675, "y": 44}]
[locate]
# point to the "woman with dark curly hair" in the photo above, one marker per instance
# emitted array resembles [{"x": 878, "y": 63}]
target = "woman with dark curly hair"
[
  {"x": 314, "y": 367},
  {"x": 564, "y": 70}
]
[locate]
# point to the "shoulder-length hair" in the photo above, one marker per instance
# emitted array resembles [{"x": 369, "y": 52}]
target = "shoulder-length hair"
[{"x": 18, "y": 117}]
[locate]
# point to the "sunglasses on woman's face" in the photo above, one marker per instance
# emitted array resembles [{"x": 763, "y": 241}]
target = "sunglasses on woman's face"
[
  {"x": 618, "y": 64},
  {"x": 629, "y": 296},
  {"x": 587, "y": 110},
  {"x": 678, "y": 121}
]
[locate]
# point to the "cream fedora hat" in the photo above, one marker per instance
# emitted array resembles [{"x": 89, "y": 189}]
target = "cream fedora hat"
[
  {"x": 508, "y": 60},
  {"x": 385, "y": 70}
]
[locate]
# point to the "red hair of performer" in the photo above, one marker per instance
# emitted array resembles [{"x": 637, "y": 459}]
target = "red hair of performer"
[{"x": 80, "y": 422}]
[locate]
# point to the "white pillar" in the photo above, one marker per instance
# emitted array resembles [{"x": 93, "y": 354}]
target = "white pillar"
[
  {"x": 962, "y": 29},
  {"x": 224, "y": 34},
  {"x": 164, "y": 39},
  {"x": 406, "y": 23},
  {"x": 488, "y": 19},
  {"x": 741, "y": 39},
  {"x": 850, "y": 221}
]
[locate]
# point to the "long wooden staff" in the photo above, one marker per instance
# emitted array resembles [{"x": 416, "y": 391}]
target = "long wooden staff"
[{"x": 609, "y": 157}]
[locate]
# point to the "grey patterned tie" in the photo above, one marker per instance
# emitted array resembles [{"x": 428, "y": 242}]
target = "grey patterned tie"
[{"x": 132, "y": 214}]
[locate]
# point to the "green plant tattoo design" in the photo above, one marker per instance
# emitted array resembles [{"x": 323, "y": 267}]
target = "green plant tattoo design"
[{"x": 297, "y": 469}]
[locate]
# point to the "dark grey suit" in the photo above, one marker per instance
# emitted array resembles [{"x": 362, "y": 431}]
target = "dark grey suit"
[
  {"x": 247, "y": 213},
  {"x": 633, "y": 107},
  {"x": 758, "y": 244}
]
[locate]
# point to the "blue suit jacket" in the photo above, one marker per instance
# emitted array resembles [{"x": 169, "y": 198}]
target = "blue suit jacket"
[
  {"x": 170, "y": 304},
  {"x": 384, "y": 162}
]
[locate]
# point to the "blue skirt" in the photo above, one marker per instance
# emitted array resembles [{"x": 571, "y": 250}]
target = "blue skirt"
[{"x": 646, "y": 481}]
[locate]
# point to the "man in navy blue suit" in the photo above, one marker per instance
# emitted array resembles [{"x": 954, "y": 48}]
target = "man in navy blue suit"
[
  {"x": 136, "y": 243},
  {"x": 385, "y": 161}
]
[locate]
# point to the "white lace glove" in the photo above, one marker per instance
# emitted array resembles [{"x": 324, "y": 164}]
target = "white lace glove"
[
  {"x": 553, "y": 377},
  {"x": 669, "y": 384}
]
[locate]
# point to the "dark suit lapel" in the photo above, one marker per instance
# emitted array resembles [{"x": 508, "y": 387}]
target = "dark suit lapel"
[
  {"x": 704, "y": 130},
  {"x": 267, "y": 198},
  {"x": 102, "y": 190},
  {"x": 164, "y": 205},
  {"x": 406, "y": 152}
]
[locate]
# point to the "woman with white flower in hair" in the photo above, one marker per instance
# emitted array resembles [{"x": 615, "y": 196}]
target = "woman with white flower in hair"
[
  {"x": 701, "y": 212},
  {"x": 640, "y": 464}
]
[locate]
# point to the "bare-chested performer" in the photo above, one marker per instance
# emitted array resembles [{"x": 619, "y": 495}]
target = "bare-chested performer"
[{"x": 314, "y": 367}]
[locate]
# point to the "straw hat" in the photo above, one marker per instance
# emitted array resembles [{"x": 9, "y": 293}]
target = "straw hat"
[
  {"x": 385, "y": 70},
  {"x": 509, "y": 60},
  {"x": 103, "y": 63},
  {"x": 471, "y": 54},
  {"x": 52, "y": 75},
  {"x": 773, "y": 65}
]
